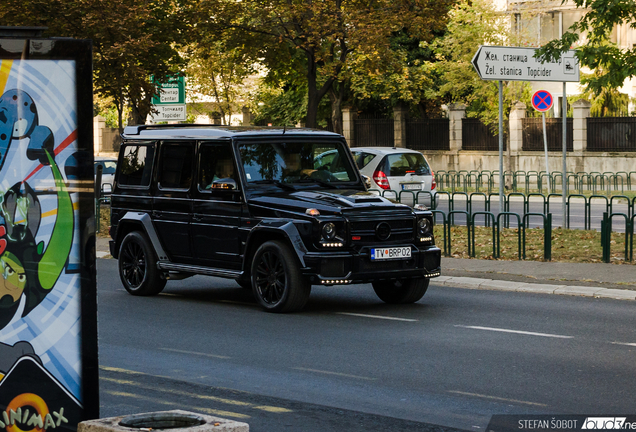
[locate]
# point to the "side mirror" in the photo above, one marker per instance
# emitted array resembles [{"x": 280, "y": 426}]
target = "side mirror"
[
  {"x": 225, "y": 184},
  {"x": 367, "y": 181}
]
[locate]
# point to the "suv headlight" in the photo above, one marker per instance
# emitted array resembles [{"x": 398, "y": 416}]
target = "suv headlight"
[
  {"x": 424, "y": 227},
  {"x": 425, "y": 230},
  {"x": 331, "y": 235},
  {"x": 328, "y": 231}
]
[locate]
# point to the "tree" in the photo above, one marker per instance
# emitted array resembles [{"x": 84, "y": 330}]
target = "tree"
[
  {"x": 325, "y": 32},
  {"x": 222, "y": 72},
  {"x": 471, "y": 24},
  {"x": 131, "y": 41},
  {"x": 613, "y": 64}
]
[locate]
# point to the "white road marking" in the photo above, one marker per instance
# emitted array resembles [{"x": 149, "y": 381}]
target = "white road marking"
[
  {"x": 195, "y": 353},
  {"x": 497, "y": 398},
  {"x": 516, "y": 331},
  {"x": 334, "y": 373},
  {"x": 377, "y": 316},
  {"x": 624, "y": 343}
]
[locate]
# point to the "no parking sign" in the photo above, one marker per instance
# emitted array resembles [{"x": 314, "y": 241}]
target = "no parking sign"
[{"x": 542, "y": 100}]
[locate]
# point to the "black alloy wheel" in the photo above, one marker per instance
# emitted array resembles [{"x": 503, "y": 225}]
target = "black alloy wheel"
[
  {"x": 277, "y": 282},
  {"x": 137, "y": 266}
]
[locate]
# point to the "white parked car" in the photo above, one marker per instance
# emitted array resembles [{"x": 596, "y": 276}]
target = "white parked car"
[
  {"x": 109, "y": 166},
  {"x": 397, "y": 169}
]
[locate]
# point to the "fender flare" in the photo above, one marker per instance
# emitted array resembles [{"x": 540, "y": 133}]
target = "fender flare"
[
  {"x": 287, "y": 229},
  {"x": 144, "y": 220}
]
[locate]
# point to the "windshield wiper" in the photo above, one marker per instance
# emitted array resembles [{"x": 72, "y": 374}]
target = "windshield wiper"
[{"x": 275, "y": 182}]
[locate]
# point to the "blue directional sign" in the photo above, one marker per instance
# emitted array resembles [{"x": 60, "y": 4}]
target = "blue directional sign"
[{"x": 542, "y": 100}]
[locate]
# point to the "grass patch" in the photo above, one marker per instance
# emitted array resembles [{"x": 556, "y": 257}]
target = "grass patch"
[{"x": 567, "y": 245}]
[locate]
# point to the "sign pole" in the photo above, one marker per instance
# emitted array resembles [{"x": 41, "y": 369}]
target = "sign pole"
[
  {"x": 502, "y": 178},
  {"x": 545, "y": 150},
  {"x": 542, "y": 101},
  {"x": 564, "y": 181}
]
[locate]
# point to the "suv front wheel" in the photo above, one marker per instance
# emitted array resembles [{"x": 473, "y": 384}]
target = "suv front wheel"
[
  {"x": 277, "y": 281},
  {"x": 138, "y": 266},
  {"x": 401, "y": 291}
]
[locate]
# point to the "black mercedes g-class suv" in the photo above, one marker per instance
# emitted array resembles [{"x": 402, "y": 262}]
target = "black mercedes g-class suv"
[{"x": 276, "y": 209}]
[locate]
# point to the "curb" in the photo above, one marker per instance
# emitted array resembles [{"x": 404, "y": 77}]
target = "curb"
[{"x": 501, "y": 285}]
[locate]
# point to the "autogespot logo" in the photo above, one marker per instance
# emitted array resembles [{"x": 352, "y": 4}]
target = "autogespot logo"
[{"x": 604, "y": 423}]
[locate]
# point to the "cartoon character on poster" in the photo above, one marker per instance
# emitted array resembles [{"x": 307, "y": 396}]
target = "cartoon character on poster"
[{"x": 39, "y": 297}]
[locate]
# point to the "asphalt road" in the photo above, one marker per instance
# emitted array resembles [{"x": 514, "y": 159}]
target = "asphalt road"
[{"x": 350, "y": 362}]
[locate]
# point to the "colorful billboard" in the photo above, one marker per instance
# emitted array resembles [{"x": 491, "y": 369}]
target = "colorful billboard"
[{"x": 45, "y": 242}]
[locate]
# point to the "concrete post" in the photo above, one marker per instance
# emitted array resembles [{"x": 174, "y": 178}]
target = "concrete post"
[
  {"x": 349, "y": 116},
  {"x": 456, "y": 112},
  {"x": 247, "y": 116},
  {"x": 216, "y": 118},
  {"x": 581, "y": 110},
  {"x": 99, "y": 124},
  {"x": 517, "y": 113},
  {"x": 400, "y": 112}
]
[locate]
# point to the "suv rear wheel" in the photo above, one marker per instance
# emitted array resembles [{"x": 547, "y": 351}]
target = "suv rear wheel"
[
  {"x": 138, "y": 266},
  {"x": 277, "y": 281},
  {"x": 401, "y": 291}
]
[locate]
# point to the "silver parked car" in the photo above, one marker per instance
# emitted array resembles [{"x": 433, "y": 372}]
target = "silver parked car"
[
  {"x": 397, "y": 169},
  {"x": 109, "y": 165}
]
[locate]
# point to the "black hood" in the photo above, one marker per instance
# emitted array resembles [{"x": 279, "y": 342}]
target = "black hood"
[{"x": 328, "y": 201}]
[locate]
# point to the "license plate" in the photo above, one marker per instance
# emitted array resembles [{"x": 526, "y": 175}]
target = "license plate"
[
  {"x": 412, "y": 186},
  {"x": 390, "y": 253}
]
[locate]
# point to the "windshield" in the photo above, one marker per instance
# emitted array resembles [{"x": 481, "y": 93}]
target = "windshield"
[{"x": 296, "y": 162}]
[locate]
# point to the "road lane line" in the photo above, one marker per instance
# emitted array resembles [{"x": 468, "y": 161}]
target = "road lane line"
[
  {"x": 516, "y": 331},
  {"x": 195, "y": 353},
  {"x": 335, "y": 373},
  {"x": 377, "y": 316},
  {"x": 497, "y": 398},
  {"x": 267, "y": 408},
  {"x": 210, "y": 411},
  {"x": 624, "y": 343}
]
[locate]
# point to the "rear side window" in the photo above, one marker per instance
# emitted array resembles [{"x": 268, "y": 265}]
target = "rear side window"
[
  {"x": 362, "y": 159},
  {"x": 136, "y": 165},
  {"x": 176, "y": 165},
  {"x": 401, "y": 164}
]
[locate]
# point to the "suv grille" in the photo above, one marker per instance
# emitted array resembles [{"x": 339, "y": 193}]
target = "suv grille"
[{"x": 370, "y": 232}]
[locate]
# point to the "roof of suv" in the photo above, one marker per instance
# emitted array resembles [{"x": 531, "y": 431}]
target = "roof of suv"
[
  {"x": 205, "y": 131},
  {"x": 384, "y": 150}
]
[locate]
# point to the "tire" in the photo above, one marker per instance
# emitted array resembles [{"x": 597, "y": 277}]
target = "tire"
[
  {"x": 277, "y": 282},
  {"x": 401, "y": 291},
  {"x": 138, "y": 266}
]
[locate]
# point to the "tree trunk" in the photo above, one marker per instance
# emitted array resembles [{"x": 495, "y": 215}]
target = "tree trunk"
[
  {"x": 312, "y": 93},
  {"x": 336, "y": 97}
]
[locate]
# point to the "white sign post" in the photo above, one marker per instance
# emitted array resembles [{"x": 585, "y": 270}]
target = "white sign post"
[{"x": 500, "y": 63}]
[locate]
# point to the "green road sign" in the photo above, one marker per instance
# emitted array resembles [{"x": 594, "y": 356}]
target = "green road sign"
[{"x": 171, "y": 92}]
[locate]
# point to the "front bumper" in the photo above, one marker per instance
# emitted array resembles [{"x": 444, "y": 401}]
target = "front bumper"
[{"x": 337, "y": 268}]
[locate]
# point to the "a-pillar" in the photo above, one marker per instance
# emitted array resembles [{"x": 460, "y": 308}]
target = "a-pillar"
[
  {"x": 349, "y": 116},
  {"x": 517, "y": 114},
  {"x": 400, "y": 112},
  {"x": 581, "y": 110}
]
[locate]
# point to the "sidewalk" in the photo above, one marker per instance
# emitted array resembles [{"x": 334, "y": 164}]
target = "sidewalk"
[{"x": 584, "y": 279}]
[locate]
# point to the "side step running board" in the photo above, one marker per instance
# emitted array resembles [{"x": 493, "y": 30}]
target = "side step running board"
[{"x": 208, "y": 271}]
